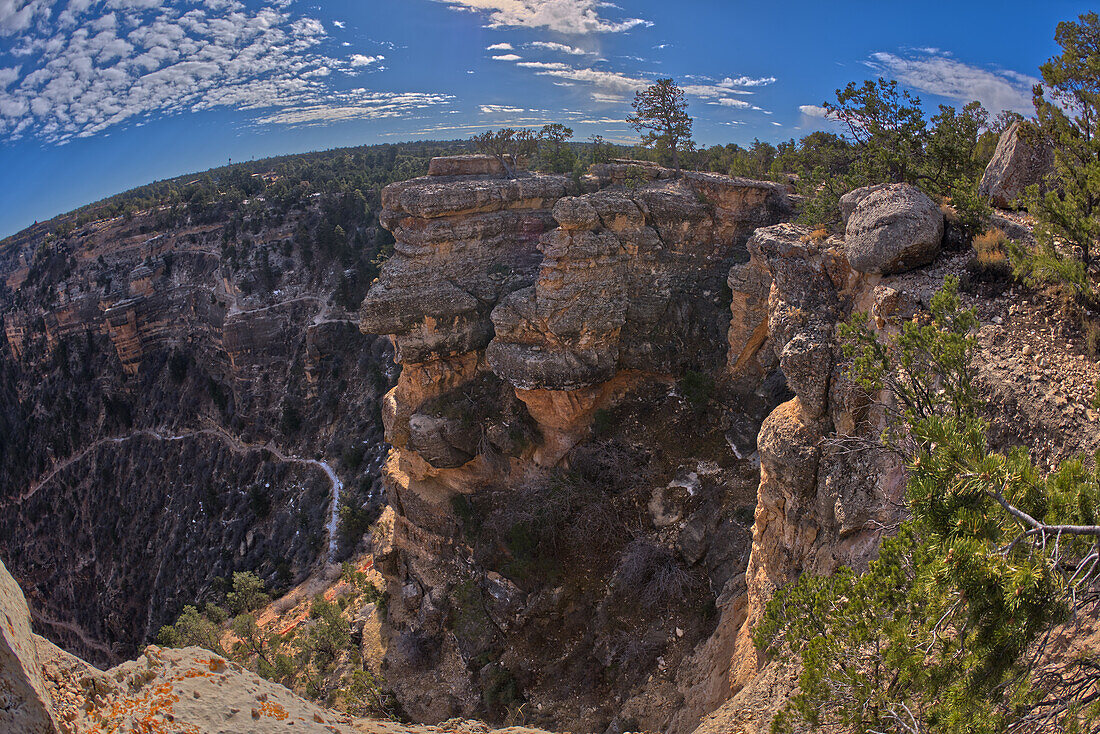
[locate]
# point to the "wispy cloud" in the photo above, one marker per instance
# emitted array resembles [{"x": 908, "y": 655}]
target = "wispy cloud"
[
  {"x": 98, "y": 65},
  {"x": 499, "y": 47},
  {"x": 574, "y": 17},
  {"x": 563, "y": 48},
  {"x": 936, "y": 73},
  {"x": 610, "y": 87},
  {"x": 496, "y": 109},
  {"x": 360, "y": 105},
  {"x": 507, "y": 57},
  {"x": 812, "y": 110}
]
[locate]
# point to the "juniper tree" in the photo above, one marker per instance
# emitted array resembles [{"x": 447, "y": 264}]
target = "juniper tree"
[
  {"x": 1067, "y": 108},
  {"x": 660, "y": 115}
]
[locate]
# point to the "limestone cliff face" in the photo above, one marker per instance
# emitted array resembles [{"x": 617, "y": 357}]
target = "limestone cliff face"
[
  {"x": 825, "y": 496},
  {"x": 168, "y": 391},
  {"x": 524, "y": 312}
]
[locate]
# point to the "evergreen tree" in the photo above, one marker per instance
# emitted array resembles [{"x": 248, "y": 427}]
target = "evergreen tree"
[
  {"x": 660, "y": 114},
  {"x": 950, "y": 630}
]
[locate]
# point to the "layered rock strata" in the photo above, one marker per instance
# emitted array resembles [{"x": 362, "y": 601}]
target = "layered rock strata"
[
  {"x": 519, "y": 310},
  {"x": 169, "y": 389}
]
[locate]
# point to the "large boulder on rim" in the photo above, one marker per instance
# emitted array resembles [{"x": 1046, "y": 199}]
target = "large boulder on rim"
[
  {"x": 892, "y": 229},
  {"x": 1021, "y": 159}
]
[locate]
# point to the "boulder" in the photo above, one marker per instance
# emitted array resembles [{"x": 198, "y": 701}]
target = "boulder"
[
  {"x": 893, "y": 229},
  {"x": 25, "y": 704},
  {"x": 1019, "y": 161},
  {"x": 849, "y": 201}
]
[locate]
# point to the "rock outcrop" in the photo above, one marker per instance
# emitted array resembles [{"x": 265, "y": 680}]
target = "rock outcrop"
[
  {"x": 25, "y": 705},
  {"x": 1020, "y": 160},
  {"x": 169, "y": 387},
  {"x": 44, "y": 690},
  {"x": 522, "y": 311},
  {"x": 892, "y": 229}
]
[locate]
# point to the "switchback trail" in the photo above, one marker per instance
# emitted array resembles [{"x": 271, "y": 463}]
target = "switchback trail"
[{"x": 235, "y": 444}]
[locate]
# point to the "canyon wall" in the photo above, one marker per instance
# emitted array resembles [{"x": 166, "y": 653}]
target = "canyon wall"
[
  {"x": 173, "y": 398},
  {"x": 569, "y": 492}
]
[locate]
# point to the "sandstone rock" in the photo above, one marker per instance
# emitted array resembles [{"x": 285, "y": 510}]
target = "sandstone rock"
[
  {"x": 850, "y": 201},
  {"x": 1018, "y": 162},
  {"x": 433, "y": 197},
  {"x": 25, "y": 704},
  {"x": 443, "y": 442},
  {"x": 466, "y": 165},
  {"x": 628, "y": 281},
  {"x": 575, "y": 212},
  {"x": 802, "y": 308},
  {"x": 893, "y": 229}
]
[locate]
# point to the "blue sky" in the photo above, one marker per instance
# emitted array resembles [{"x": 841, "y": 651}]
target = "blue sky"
[{"x": 97, "y": 96}]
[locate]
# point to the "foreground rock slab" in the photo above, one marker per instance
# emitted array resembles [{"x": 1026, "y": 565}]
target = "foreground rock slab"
[
  {"x": 24, "y": 703},
  {"x": 45, "y": 690}
]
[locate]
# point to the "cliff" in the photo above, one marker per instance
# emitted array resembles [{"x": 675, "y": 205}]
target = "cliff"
[
  {"x": 566, "y": 495},
  {"x": 620, "y": 424},
  {"x": 48, "y": 691},
  {"x": 622, "y": 402},
  {"x": 182, "y": 396}
]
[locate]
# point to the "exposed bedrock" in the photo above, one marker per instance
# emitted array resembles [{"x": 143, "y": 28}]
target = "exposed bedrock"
[
  {"x": 523, "y": 311},
  {"x": 1021, "y": 159},
  {"x": 629, "y": 282},
  {"x": 820, "y": 504}
]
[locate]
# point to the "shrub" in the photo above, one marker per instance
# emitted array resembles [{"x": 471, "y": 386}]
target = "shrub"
[
  {"x": 697, "y": 388},
  {"x": 819, "y": 234},
  {"x": 247, "y": 594},
  {"x": 648, "y": 572},
  {"x": 991, "y": 254}
]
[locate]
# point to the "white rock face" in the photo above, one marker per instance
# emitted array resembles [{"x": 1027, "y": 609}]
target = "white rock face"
[{"x": 25, "y": 705}]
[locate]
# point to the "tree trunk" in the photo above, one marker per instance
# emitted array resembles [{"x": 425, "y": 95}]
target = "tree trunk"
[{"x": 676, "y": 159}]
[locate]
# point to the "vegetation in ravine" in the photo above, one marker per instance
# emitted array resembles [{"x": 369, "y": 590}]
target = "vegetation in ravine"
[{"x": 316, "y": 658}]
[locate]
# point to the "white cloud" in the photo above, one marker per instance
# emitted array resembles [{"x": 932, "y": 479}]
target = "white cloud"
[
  {"x": 947, "y": 77},
  {"x": 358, "y": 60},
  {"x": 812, "y": 110},
  {"x": 507, "y": 57},
  {"x": 100, "y": 65},
  {"x": 575, "y": 17},
  {"x": 17, "y": 16},
  {"x": 8, "y": 76},
  {"x": 746, "y": 81},
  {"x": 499, "y": 47},
  {"x": 604, "y": 81},
  {"x": 608, "y": 98},
  {"x": 496, "y": 109},
  {"x": 339, "y": 24},
  {"x": 559, "y": 47},
  {"x": 733, "y": 102},
  {"x": 363, "y": 106}
]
